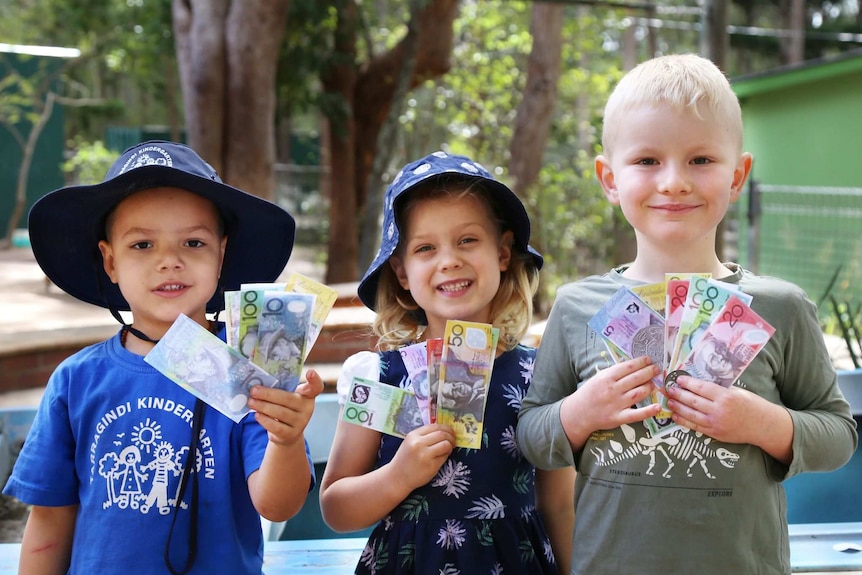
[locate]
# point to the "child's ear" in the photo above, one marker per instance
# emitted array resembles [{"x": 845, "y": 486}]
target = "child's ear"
[
  {"x": 506, "y": 249},
  {"x": 605, "y": 175},
  {"x": 398, "y": 267},
  {"x": 222, "y": 248},
  {"x": 740, "y": 174},
  {"x": 108, "y": 260}
]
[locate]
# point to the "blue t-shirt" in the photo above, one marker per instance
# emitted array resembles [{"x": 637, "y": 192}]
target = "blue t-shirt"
[{"x": 112, "y": 435}]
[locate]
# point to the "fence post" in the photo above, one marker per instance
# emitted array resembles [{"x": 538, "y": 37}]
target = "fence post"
[{"x": 753, "y": 226}]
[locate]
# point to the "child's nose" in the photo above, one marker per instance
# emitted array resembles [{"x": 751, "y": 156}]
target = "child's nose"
[
  {"x": 674, "y": 180},
  {"x": 170, "y": 258},
  {"x": 450, "y": 259}
]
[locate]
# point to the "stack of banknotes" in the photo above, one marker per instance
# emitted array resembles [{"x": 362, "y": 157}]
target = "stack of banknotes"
[
  {"x": 447, "y": 383},
  {"x": 690, "y": 324},
  {"x": 270, "y": 328}
]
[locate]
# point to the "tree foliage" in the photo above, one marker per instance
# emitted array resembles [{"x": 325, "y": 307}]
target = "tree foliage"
[{"x": 336, "y": 70}]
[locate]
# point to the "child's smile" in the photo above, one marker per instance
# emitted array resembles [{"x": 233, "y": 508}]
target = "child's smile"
[{"x": 450, "y": 260}]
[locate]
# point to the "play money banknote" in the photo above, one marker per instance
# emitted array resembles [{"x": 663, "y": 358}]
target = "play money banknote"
[
  {"x": 677, "y": 292},
  {"x": 631, "y": 329},
  {"x": 712, "y": 300},
  {"x": 415, "y": 359},
  {"x": 653, "y": 295},
  {"x": 283, "y": 324},
  {"x": 632, "y": 326},
  {"x": 381, "y": 407},
  {"x": 231, "y": 312},
  {"x": 198, "y": 361},
  {"x": 696, "y": 287},
  {"x": 469, "y": 349},
  {"x": 728, "y": 346},
  {"x": 250, "y": 302},
  {"x": 325, "y": 300},
  {"x": 435, "y": 355}
]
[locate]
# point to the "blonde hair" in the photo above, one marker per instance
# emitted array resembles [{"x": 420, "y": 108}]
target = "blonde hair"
[
  {"x": 400, "y": 321},
  {"x": 681, "y": 81}
]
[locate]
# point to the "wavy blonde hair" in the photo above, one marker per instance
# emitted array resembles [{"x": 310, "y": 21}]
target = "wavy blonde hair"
[{"x": 400, "y": 321}]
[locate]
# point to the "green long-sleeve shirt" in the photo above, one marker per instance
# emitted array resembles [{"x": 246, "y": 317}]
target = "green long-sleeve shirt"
[{"x": 685, "y": 503}]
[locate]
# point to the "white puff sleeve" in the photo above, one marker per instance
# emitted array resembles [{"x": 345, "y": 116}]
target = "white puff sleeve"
[{"x": 365, "y": 364}]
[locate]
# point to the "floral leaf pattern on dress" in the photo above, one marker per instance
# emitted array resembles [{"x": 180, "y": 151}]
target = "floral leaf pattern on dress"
[
  {"x": 527, "y": 363},
  {"x": 528, "y": 554},
  {"x": 487, "y": 508},
  {"x": 414, "y": 506},
  {"x": 509, "y": 442},
  {"x": 497, "y": 569},
  {"x": 454, "y": 477},
  {"x": 407, "y": 553},
  {"x": 523, "y": 480},
  {"x": 514, "y": 396},
  {"x": 450, "y": 569},
  {"x": 452, "y": 535},
  {"x": 375, "y": 555},
  {"x": 484, "y": 534}
]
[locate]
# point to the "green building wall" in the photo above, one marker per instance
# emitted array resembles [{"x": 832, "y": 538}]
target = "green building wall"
[
  {"x": 807, "y": 134},
  {"x": 803, "y": 125},
  {"x": 45, "y": 171}
]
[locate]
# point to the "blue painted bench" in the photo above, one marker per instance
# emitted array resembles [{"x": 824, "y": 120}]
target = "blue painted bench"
[
  {"x": 317, "y": 557},
  {"x": 814, "y": 548}
]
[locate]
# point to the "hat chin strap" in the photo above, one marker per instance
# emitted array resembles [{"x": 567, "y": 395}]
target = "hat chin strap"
[
  {"x": 138, "y": 333},
  {"x": 134, "y": 331}
]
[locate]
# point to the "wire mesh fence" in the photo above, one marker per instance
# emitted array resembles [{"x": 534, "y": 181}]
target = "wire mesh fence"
[{"x": 810, "y": 235}]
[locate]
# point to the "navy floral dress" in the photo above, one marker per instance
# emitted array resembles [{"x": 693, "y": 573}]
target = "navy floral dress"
[{"x": 478, "y": 515}]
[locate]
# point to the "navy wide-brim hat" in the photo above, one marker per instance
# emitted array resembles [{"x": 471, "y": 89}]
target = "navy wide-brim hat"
[
  {"x": 66, "y": 225},
  {"x": 439, "y": 164}
]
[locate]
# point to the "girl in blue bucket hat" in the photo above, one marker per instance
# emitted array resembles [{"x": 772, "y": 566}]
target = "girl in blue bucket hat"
[
  {"x": 126, "y": 471},
  {"x": 455, "y": 246}
]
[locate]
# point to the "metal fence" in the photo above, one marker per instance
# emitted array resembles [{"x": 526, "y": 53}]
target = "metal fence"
[{"x": 810, "y": 235}]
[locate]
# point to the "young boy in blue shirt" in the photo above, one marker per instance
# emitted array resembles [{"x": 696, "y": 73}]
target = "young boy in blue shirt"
[{"x": 125, "y": 470}]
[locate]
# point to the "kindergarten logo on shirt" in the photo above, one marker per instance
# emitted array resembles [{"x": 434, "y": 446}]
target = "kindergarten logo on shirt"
[{"x": 140, "y": 449}]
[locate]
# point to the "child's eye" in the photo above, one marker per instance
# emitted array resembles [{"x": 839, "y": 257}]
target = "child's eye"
[
  {"x": 141, "y": 245},
  {"x": 701, "y": 161},
  {"x": 195, "y": 243},
  {"x": 647, "y": 162},
  {"x": 423, "y": 248},
  {"x": 469, "y": 240}
]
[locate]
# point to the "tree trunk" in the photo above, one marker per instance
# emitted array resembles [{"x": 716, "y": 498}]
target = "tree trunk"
[
  {"x": 387, "y": 142},
  {"x": 367, "y": 96},
  {"x": 340, "y": 81},
  {"x": 27, "y": 151},
  {"x": 227, "y": 52},
  {"x": 200, "y": 39},
  {"x": 255, "y": 29},
  {"x": 536, "y": 110}
]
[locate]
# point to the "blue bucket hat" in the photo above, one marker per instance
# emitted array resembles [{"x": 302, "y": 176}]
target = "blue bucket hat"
[
  {"x": 432, "y": 166},
  {"x": 66, "y": 225}
]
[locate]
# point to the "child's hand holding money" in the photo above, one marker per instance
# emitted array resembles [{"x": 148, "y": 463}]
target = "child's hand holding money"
[
  {"x": 422, "y": 453},
  {"x": 729, "y": 414},
  {"x": 605, "y": 400},
  {"x": 285, "y": 414}
]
